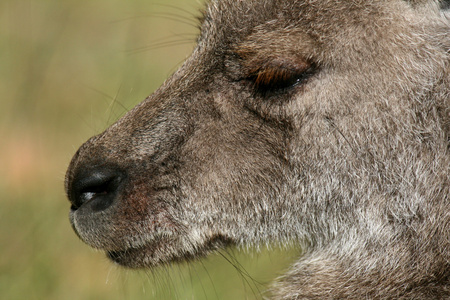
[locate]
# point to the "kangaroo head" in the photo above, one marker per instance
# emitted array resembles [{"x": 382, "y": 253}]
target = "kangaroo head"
[{"x": 320, "y": 122}]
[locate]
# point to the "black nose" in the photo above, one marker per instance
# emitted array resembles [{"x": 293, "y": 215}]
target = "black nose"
[{"x": 95, "y": 187}]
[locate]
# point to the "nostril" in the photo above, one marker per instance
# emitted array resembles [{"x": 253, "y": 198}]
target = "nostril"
[{"x": 97, "y": 188}]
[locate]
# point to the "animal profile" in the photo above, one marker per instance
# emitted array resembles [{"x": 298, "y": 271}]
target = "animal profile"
[{"x": 316, "y": 122}]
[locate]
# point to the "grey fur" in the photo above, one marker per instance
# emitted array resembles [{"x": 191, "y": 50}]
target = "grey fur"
[{"x": 324, "y": 123}]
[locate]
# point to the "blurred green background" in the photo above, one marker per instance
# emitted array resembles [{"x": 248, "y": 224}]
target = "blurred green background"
[{"x": 68, "y": 69}]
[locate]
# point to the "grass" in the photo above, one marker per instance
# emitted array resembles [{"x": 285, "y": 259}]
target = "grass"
[{"x": 68, "y": 69}]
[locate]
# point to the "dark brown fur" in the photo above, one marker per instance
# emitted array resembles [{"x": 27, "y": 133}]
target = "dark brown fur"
[{"x": 325, "y": 123}]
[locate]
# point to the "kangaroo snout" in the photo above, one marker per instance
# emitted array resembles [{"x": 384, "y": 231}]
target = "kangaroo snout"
[{"x": 96, "y": 187}]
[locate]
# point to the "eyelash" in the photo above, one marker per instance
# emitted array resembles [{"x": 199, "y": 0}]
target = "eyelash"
[
  {"x": 279, "y": 79},
  {"x": 275, "y": 79}
]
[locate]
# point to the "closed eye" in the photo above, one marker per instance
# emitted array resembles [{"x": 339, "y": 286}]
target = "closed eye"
[
  {"x": 276, "y": 78},
  {"x": 272, "y": 79}
]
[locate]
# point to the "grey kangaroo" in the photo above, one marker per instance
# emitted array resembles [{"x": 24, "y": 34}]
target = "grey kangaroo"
[{"x": 317, "y": 122}]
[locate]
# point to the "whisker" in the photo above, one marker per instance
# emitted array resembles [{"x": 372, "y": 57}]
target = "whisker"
[
  {"x": 166, "y": 16},
  {"x": 247, "y": 279},
  {"x": 171, "y": 6},
  {"x": 159, "y": 46},
  {"x": 210, "y": 279}
]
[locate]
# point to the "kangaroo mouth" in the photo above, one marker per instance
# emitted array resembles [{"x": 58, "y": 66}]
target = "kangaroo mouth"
[
  {"x": 147, "y": 255},
  {"x": 162, "y": 251},
  {"x": 128, "y": 258}
]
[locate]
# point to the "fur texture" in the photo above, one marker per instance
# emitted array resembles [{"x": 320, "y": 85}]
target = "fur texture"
[{"x": 324, "y": 123}]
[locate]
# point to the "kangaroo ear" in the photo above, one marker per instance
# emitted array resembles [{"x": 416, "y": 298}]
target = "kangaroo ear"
[
  {"x": 418, "y": 3},
  {"x": 445, "y": 5},
  {"x": 442, "y": 5}
]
